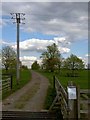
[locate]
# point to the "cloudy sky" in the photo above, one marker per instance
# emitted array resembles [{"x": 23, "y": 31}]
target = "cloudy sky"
[{"x": 63, "y": 23}]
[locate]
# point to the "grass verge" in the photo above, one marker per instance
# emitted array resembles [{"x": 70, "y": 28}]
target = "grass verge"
[
  {"x": 49, "y": 97},
  {"x": 25, "y": 77}
]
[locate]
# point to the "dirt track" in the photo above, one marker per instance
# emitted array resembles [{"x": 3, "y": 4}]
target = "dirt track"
[{"x": 29, "y": 98}]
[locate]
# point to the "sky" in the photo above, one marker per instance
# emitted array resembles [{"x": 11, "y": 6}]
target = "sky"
[{"x": 63, "y": 23}]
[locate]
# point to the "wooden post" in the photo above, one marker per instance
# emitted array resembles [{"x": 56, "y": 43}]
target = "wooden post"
[
  {"x": 78, "y": 101},
  {"x": 72, "y": 101}
]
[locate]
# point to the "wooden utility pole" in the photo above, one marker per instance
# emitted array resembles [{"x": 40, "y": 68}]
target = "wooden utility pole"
[{"x": 18, "y": 17}]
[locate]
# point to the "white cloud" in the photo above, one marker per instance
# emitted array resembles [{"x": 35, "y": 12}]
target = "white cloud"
[
  {"x": 34, "y": 44},
  {"x": 37, "y": 45},
  {"x": 28, "y": 60},
  {"x": 62, "y": 40},
  {"x": 40, "y": 45},
  {"x": 64, "y": 50},
  {"x": 28, "y": 64},
  {"x": 85, "y": 60},
  {"x": 80, "y": 57},
  {"x": 3, "y": 42},
  {"x": 39, "y": 61}
]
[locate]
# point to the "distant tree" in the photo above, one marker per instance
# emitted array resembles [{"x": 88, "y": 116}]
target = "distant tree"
[
  {"x": 8, "y": 58},
  {"x": 24, "y": 67},
  {"x": 60, "y": 63},
  {"x": 73, "y": 63},
  {"x": 51, "y": 58},
  {"x": 35, "y": 66}
]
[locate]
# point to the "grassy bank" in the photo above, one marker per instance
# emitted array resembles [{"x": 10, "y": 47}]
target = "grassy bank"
[{"x": 25, "y": 77}]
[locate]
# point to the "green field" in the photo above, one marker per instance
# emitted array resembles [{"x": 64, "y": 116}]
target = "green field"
[
  {"x": 81, "y": 79},
  {"x": 25, "y": 77}
]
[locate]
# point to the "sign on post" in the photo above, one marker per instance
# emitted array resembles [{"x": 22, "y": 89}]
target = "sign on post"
[
  {"x": 72, "y": 100},
  {"x": 71, "y": 92}
]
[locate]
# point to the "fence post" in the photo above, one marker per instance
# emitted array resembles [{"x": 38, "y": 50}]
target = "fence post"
[
  {"x": 78, "y": 101},
  {"x": 72, "y": 101},
  {"x": 11, "y": 81}
]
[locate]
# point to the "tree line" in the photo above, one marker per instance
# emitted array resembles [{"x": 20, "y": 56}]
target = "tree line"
[{"x": 52, "y": 60}]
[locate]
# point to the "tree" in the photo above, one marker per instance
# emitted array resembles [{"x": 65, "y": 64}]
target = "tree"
[
  {"x": 35, "y": 66},
  {"x": 24, "y": 67},
  {"x": 8, "y": 58},
  {"x": 73, "y": 63},
  {"x": 59, "y": 64},
  {"x": 51, "y": 58}
]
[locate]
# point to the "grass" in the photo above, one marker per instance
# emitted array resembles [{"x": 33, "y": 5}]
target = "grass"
[
  {"x": 81, "y": 80},
  {"x": 25, "y": 77},
  {"x": 49, "y": 97}
]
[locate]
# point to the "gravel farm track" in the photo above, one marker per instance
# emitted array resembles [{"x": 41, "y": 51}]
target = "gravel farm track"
[{"x": 29, "y": 98}]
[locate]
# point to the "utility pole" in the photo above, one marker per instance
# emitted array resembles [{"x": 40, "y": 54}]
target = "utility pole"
[{"x": 18, "y": 17}]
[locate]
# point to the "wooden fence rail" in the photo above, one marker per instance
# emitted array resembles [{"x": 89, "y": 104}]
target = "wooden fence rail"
[
  {"x": 72, "y": 103},
  {"x": 61, "y": 98},
  {"x": 60, "y": 88},
  {"x": 84, "y": 103},
  {"x": 6, "y": 82}
]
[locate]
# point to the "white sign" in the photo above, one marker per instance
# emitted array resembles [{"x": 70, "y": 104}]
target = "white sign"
[{"x": 72, "y": 92}]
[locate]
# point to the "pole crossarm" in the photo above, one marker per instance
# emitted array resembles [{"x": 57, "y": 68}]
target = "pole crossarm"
[{"x": 19, "y": 17}]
